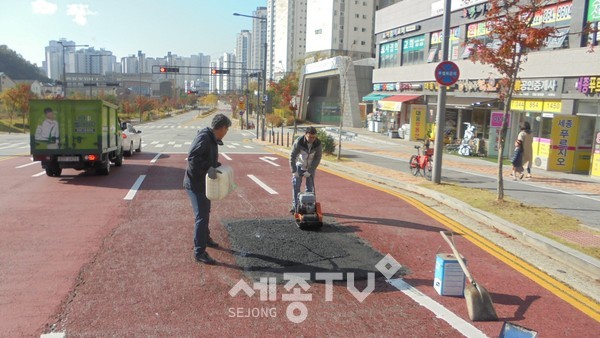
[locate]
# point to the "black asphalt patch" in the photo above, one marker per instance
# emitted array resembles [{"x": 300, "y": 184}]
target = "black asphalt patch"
[{"x": 271, "y": 247}]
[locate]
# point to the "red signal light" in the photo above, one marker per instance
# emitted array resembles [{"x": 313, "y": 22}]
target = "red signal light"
[{"x": 163, "y": 69}]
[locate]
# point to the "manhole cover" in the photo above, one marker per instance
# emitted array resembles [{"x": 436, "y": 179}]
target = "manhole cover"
[{"x": 271, "y": 247}]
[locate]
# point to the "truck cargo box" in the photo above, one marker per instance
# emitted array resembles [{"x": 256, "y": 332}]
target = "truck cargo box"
[{"x": 78, "y": 134}]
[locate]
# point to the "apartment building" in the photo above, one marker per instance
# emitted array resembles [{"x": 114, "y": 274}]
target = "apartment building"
[
  {"x": 558, "y": 92},
  {"x": 286, "y": 36},
  {"x": 338, "y": 61}
]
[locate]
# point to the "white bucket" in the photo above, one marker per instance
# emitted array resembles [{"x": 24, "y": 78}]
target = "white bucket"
[{"x": 220, "y": 187}]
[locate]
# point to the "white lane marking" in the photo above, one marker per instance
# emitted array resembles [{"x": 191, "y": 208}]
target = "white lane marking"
[
  {"x": 269, "y": 160},
  {"x": 27, "y": 165},
  {"x": 230, "y": 146},
  {"x": 39, "y": 174},
  {"x": 178, "y": 146},
  {"x": 134, "y": 189},
  {"x": 155, "y": 158},
  {"x": 171, "y": 142},
  {"x": 159, "y": 145},
  {"x": 188, "y": 143},
  {"x": 154, "y": 142},
  {"x": 226, "y": 157},
  {"x": 262, "y": 185},
  {"x": 248, "y": 147},
  {"x": 440, "y": 311},
  {"x": 13, "y": 145}
]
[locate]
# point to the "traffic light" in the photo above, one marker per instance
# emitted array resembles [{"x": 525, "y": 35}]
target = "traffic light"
[
  {"x": 215, "y": 71},
  {"x": 169, "y": 69}
]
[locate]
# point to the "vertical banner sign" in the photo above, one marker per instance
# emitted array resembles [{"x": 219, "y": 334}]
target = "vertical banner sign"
[
  {"x": 418, "y": 122},
  {"x": 596, "y": 156},
  {"x": 495, "y": 126},
  {"x": 564, "y": 143}
]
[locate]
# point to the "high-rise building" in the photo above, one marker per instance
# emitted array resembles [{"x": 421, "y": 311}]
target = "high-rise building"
[
  {"x": 243, "y": 55},
  {"x": 286, "y": 34},
  {"x": 336, "y": 28}
]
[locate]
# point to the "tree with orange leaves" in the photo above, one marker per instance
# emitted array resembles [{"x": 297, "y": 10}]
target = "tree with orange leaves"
[
  {"x": 510, "y": 23},
  {"x": 16, "y": 100}
]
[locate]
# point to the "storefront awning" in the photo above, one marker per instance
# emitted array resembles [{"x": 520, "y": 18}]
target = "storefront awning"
[
  {"x": 402, "y": 98},
  {"x": 375, "y": 96},
  {"x": 394, "y": 102}
]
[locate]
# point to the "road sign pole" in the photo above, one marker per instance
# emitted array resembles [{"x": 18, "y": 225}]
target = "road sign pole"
[{"x": 441, "y": 103}]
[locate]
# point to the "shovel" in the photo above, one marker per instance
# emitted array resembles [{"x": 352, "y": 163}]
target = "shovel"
[{"x": 479, "y": 302}]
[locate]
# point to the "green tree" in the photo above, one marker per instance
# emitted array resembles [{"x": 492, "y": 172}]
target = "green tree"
[{"x": 510, "y": 23}]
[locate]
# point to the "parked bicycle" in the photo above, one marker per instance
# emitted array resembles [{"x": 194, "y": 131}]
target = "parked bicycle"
[{"x": 422, "y": 162}]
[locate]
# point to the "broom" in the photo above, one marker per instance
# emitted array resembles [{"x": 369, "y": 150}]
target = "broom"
[{"x": 479, "y": 303}]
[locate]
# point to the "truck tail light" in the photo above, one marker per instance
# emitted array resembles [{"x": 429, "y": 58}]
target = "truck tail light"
[
  {"x": 91, "y": 157},
  {"x": 42, "y": 158}
]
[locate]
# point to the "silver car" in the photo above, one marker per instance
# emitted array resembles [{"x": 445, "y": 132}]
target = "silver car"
[{"x": 132, "y": 140}]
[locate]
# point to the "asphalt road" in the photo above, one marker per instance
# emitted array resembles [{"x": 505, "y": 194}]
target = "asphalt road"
[{"x": 95, "y": 256}]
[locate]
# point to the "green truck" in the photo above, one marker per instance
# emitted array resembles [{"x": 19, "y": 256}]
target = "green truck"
[{"x": 77, "y": 134}]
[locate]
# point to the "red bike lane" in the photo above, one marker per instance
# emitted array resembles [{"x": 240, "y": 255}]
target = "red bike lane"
[
  {"x": 51, "y": 227},
  {"x": 144, "y": 282}
]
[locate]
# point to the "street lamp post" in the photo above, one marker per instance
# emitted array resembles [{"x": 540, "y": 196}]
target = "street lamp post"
[
  {"x": 264, "y": 72},
  {"x": 65, "y": 65}
]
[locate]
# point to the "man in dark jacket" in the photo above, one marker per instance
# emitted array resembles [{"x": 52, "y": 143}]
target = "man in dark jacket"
[
  {"x": 304, "y": 160},
  {"x": 202, "y": 160}
]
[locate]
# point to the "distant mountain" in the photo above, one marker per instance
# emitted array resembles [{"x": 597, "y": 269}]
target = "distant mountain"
[{"x": 17, "y": 68}]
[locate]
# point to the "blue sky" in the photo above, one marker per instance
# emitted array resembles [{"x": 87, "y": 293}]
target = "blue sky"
[{"x": 182, "y": 27}]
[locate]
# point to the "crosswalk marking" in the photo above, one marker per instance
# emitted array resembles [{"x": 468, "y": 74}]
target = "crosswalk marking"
[
  {"x": 174, "y": 144},
  {"x": 14, "y": 145}
]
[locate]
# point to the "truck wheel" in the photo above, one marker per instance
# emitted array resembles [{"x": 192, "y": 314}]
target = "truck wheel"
[
  {"x": 53, "y": 171},
  {"x": 119, "y": 159},
  {"x": 105, "y": 170}
]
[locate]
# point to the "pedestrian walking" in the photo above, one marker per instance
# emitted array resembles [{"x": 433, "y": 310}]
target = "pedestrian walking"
[
  {"x": 305, "y": 157},
  {"x": 202, "y": 160},
  {"x": 517, "y": 161},
  {"x": 526, "y": 137}
]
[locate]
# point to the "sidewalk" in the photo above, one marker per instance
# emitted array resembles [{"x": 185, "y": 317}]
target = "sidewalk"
[{"x": 574, "y": 182}]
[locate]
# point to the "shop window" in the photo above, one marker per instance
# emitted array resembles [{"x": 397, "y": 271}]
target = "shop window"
[
  {"x": 468, "y": 50},
  {"x": 413, "y": 50},
  {"x": 388, "y": 55},
  {"x": 433, "y": 54},
  {"x": 557, "y": 16},
  {"x": 541, "y": 126},
  {"x": 436, "y": 40}
]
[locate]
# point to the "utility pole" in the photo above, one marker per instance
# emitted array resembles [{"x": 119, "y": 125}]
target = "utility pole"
[{"x": 441, "y": 104}]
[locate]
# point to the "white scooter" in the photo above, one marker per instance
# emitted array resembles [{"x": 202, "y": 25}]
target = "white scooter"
[{"x": 465, "y": 146}]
